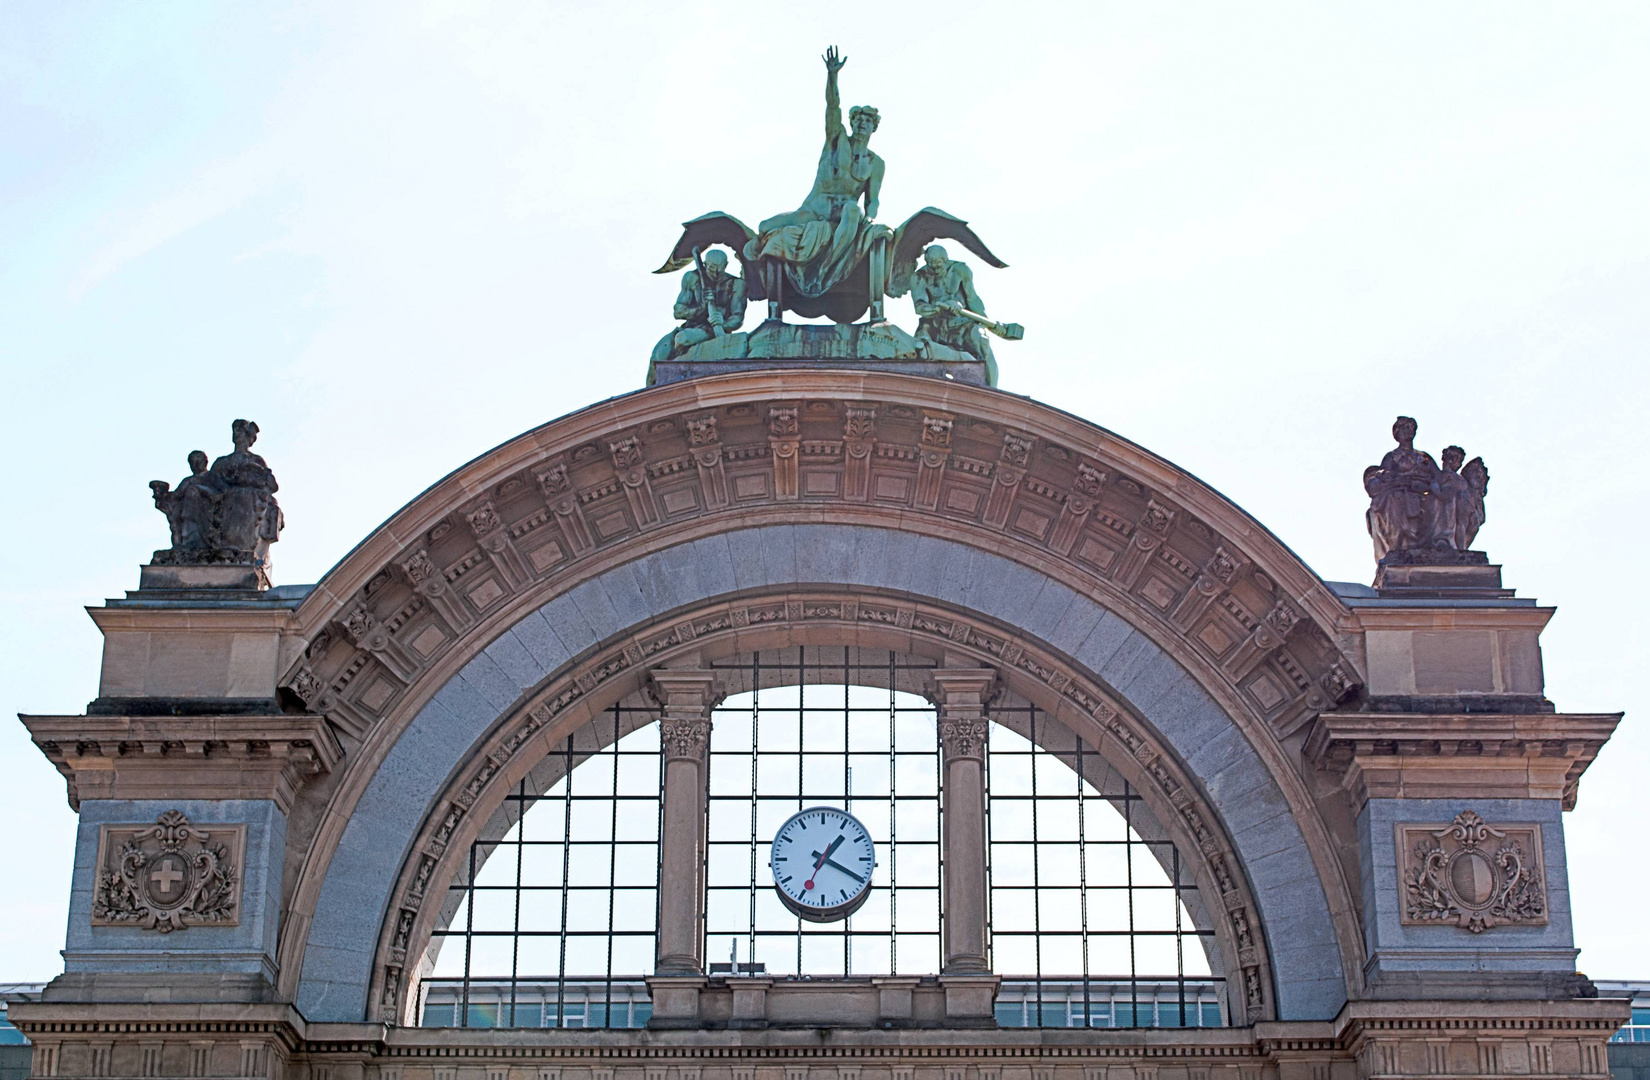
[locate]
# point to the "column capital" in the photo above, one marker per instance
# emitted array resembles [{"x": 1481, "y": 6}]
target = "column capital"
[
  {"x": 687, "y": 696},
  {"x": 960, "y": 696}
]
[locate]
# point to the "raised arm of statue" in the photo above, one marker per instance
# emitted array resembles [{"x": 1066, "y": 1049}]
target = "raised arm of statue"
[{"x": 833, "y": 100}]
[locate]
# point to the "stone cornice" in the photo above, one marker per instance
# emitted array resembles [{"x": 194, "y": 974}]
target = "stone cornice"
[
  {"x": 1402, "y": 1034},
  {"x": 186, "y": 757},
  {"x": 1458, "y": 756}
]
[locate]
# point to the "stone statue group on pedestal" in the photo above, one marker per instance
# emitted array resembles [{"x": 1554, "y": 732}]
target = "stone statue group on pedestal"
[
  {"x": 831, "y": 258},
  {"x": 225, "y": 515},
  {"x": 1420, "y": 513}
]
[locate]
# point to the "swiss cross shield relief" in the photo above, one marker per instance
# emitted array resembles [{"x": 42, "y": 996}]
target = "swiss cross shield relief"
[{"x": 168, "y": 876}]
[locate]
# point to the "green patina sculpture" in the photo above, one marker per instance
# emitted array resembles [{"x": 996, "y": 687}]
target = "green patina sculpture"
[
  {"x": 820, "y": 243},
  {"x": 830, "y": 258},
  {"x": 950, "y": 312},
  {"x": 710, "y": 305}
]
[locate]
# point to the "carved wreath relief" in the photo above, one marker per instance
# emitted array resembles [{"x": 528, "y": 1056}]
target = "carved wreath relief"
[
  {"x": 169, "y": 875},
  {"x": 1472, "y": 874}
]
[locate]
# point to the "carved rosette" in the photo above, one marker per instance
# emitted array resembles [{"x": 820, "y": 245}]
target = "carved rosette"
[
  {"x": 169, "y": 875},
  {"x": 1471, "y": 874}
]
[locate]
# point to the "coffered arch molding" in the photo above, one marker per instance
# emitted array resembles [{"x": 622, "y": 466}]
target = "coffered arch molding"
[
  {"x": 971, "y": 496},
  {"x": 1092, "y": 668}
]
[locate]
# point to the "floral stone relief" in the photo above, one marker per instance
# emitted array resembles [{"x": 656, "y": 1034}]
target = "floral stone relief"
[{"x": 1472, "y": 874}]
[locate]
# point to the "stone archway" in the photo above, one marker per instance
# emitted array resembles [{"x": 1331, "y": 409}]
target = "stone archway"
[
  {"x": 404, "y": 628},
  {"x": 513, "y": 746}
]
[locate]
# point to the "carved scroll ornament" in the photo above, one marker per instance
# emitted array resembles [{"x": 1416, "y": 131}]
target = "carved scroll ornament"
[
  {"x": 169, "y": 875},
  {"x": 1471, "y": 874}
]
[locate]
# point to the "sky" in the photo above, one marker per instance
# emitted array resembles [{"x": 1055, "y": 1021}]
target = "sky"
[{"x": 1244, "y": 236}]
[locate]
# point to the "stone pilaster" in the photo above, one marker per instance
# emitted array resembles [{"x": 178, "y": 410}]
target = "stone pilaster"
[
  {"x": 960, "y": 695},
  {"x": 684, "y": 732}
]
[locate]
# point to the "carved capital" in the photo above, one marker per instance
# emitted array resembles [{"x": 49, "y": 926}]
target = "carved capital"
[
  {"x": 960, "y": 696},
  {"x": 702, "y": 430},
  {"x": 553, "y": 481},
  {"x": 1157, "y": 519},
  {"x": 1016, "y": 451},
  {"x": 422, "y": 573},
  {"x": 861, "y": 423},
  {"x": 936, "y": 431},
  {"x": 963, "y": 738},
  {"x": 484, "y": 519},
  {"x": 685, "y": 739},
  {"x": 627, "y": 453},
  {"x": 687, "y": 697},
  {"x": 782, "y": 422}
]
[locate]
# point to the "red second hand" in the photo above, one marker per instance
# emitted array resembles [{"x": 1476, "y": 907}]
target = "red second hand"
[{"x": 807, "y": 886}]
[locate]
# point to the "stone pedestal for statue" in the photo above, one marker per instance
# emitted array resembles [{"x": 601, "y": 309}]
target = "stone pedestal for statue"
[
  {"x": 879, "y": 346},
  {"x": 1462, "y": 580},
  {"x": 195, "y": 579}
]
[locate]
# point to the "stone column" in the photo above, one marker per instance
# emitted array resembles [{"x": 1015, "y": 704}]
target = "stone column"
[
  {"x": 684, "y": 733},
  {"x": 960, "y": 695}
]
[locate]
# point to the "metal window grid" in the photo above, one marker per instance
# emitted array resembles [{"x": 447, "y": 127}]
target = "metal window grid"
[
  {"x": 1060, "y": 898},
  {"x": 825, "y": 727},
  {"x": 1079, "y": 938},
  {"x": 567, "y": 901}
]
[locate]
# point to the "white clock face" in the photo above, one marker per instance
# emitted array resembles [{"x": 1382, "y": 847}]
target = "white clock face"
[{"x": 822, "y": 862}]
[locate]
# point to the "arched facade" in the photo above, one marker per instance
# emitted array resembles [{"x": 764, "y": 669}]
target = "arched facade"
[{"x": 367, "y": 730}]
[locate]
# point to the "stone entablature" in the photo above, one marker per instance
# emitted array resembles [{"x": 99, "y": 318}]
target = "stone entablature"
[
  {"x": 1367, "y": 1041},
  {"x": 1458, "y": 756},
  {"x": 187, "y": 757}
]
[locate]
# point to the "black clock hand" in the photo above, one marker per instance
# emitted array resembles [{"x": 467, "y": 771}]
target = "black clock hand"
[
  {"x": 809, "y": 884},
  {"x": 828, "y": 861}
]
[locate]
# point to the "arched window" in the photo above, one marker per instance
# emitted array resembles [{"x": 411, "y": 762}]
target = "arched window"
[{"x": 1094, "y": 918}]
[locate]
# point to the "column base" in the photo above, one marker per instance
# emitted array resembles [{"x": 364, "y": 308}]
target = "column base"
[
  {"x": 970, "y": 1000},
  {"x": 675, "y": 1001}
]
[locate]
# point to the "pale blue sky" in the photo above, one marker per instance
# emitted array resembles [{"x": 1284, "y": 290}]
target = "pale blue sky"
[{"x": 1245, "y": 236}]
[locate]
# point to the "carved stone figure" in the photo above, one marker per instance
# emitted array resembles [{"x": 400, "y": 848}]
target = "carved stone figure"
[
  {"x": 191, "y": 507},
  {"x": 1419, "y": 512},
  {"x": 249, "y": 519},
  {"x": 710, "y": 305},
  {"x": 225, "y": 515},
  {"x": 1397, "y": 488}
]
